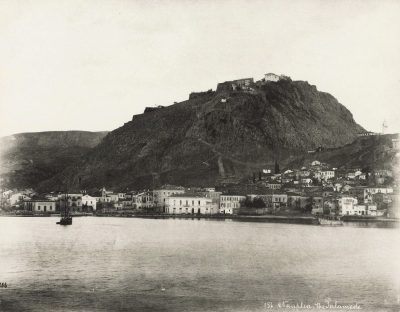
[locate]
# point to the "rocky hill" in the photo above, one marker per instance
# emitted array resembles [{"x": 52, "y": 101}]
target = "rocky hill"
[
  {"x": 26, "y": 159},
  {"x": 215, "y": 137},
  {"x": 374, "y": 152}
]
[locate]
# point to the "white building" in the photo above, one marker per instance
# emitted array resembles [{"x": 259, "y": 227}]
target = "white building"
[
  {"x": 17, "y": 198},
  {"x": 376, "y": 190},
  {"x": 327, "y": 174},
  {"x": 89, "y": 201},
  {"x": 109, "y": 196},
  {"x": 190, "y": 204},
  {"x": 306, "y": 181},
  {"x": 359, "y": 210},
  {"x": 160, "y": 196},
  {"x": 40, "y": 206},
  {"x": 143, "y": 200},
  {"x": 230, "y": 203},
  {"x": 372, "y": 210},
  {"x": 274, "y": 186},
  {"x": 346, "y": 205}
]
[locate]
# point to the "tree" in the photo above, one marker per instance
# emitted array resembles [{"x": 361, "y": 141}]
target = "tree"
[
  {"x": 258, "y": 203},
  {"x": 276, "y": 167},
  {"x": 309, "y": 205},
  {"x": 248, "y": 202}
]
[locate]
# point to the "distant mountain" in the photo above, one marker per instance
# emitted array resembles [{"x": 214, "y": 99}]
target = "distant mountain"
[
  {"x": 26, "y": 159},
  {"x": 215, "y": 137}
]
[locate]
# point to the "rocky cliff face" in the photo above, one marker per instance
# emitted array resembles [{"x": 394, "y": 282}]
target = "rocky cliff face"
[
  {"x": 215, "y": 137},
  {"x": 26, "y": 159}
]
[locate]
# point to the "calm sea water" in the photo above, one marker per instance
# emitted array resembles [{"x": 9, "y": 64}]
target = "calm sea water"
[{"x": 115, "y": 264}]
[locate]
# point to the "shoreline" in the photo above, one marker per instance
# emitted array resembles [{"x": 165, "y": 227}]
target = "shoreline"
[{"x": 297, "y": 219}]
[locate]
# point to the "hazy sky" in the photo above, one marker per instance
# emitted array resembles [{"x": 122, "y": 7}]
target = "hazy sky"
[{"x": 91, "y": 65}]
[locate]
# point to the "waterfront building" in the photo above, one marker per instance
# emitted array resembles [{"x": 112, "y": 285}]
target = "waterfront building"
[
  {"x": 346, "y": 205},
  {"x": 296, "y": 201},
  {"x": 161, "y": 195},
  {"x": 229, "y": 204},
  {"x": 358, "y": 210},
  {"x": 276, "y": 201},
  {"x": 144, "y": 200},
  {"x": 109, "y": 196},
  {"x": 74, "y": 200},
  {"x": 40, "y": 206},
  {"x": 190, "y": 204},
  {"x": 213, "y": 195},
  {"x": 89, "y": 202}
]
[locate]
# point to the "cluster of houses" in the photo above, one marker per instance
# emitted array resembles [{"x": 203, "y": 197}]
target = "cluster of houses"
[
  {"x": 320, "y": 189},
  {"x": 317, "y": 189},
  {"x": 167, "y": 199}
]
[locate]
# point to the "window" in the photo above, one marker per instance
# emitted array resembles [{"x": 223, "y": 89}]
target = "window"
[
  {"x": 38, "y": 208},
  {"x": 199, "y": 203}
]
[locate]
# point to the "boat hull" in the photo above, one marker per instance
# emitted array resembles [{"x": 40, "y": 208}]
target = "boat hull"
[{"x": 65, "y": 221}]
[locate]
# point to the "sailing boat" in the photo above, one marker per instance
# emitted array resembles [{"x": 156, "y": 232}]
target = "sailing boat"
[{"x": 66, "y": 218}]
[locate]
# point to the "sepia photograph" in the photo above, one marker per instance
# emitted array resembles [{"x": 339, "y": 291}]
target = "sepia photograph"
[{"x": 200, "y": 156}]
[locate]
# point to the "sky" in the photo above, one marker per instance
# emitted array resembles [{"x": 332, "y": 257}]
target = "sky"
[{"x": 91, "y": 65}]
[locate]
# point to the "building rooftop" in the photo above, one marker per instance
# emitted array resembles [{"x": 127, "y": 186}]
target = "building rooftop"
[{"x": 188, "y": 195}]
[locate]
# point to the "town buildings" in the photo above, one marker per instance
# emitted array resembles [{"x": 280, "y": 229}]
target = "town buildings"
[{"x": 312, "y": 188}]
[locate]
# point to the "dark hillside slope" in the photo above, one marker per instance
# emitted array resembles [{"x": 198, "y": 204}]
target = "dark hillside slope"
[{"x": 215, "y": 137}]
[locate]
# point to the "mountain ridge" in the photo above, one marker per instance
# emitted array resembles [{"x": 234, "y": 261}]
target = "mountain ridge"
[
  {"x": 28, "y": 158},
  {"x": 215, "y": 136}
]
